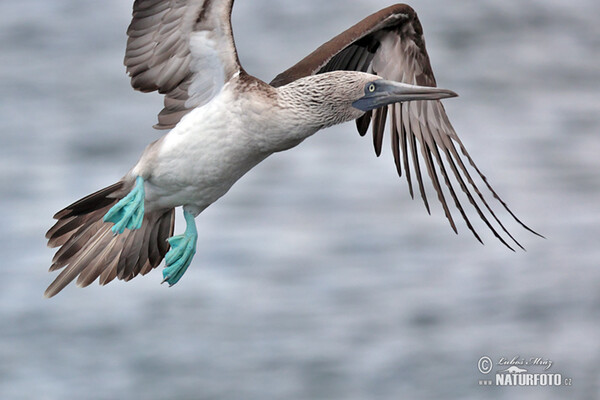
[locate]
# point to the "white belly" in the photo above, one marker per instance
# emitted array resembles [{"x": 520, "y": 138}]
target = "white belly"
[
  {"x": 215, "y": 145},
  {"x": 201, "y": 158}
]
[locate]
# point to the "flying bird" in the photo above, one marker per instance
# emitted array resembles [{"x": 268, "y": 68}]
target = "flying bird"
[{"x": 222, "y": 122}]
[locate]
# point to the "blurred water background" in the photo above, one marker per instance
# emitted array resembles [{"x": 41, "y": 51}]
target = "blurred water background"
[{"x": 316, "y": 276}]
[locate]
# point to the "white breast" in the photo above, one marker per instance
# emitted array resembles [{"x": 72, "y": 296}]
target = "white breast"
[
  {"x": 213, "y": 146},
  {"x": 202, "y": 157}
]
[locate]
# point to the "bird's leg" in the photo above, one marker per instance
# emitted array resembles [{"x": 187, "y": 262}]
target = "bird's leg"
[
  {"x": 129, "y": 211},
  {"x": 183, "y": 248}
]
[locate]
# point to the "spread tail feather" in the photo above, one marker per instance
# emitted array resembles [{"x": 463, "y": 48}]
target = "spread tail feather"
[{"x": 89, "y": 250}]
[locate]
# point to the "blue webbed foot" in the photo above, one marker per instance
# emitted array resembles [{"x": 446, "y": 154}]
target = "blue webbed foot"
[
  {"x": 129, "y": 211},
  {"x": 183, "y": 248}
]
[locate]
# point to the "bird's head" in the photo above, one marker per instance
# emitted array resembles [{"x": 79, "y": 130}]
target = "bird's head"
[
  {"x": 376, "y": 92},
  {"x": 339, "y": 96}
]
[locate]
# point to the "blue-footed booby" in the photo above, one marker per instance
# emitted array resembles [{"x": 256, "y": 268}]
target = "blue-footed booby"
[{"x": 223, "y": 122}]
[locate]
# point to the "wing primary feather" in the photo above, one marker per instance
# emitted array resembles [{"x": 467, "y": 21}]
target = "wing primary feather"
[
  {"x": 395, "y": 140},
  {"x": 463, "y": 168},
  {"x": 405, "y": 150},
  {"x": 436, "y": 184},
  {"x": 476, "y": 206},
  {"x": 415, "y": 155},
  {"x": 379, "y": 120},
  {"x": 452, "y": 156},
  {"x": 426, "y": 153},
  {"x": 459, "y": 206},
  {"x": 484, "y": 178},
  {"x": 362, "y": 123}
]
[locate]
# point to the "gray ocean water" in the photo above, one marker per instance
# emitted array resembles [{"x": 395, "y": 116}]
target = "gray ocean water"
[{"x": 316, "y": 277}]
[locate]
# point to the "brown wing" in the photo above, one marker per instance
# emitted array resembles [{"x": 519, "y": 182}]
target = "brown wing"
[
  {"x": 183, "y": 49},
  {"x": 390, "y": 44}
]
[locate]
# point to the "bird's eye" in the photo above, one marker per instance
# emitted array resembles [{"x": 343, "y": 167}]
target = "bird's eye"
[{"x": 371, "y": 88}]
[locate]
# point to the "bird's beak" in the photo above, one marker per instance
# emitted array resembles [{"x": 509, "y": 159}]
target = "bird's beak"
[{"x": 388, "y": 92}]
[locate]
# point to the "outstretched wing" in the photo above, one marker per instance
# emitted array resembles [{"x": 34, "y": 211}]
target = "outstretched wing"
[
  {"x": 184, "y": 49},
  {"x": 390, "y": 44}
]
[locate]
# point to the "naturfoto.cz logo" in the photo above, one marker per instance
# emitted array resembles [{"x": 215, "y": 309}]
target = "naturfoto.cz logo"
[{"x": 518, "y": 371}]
